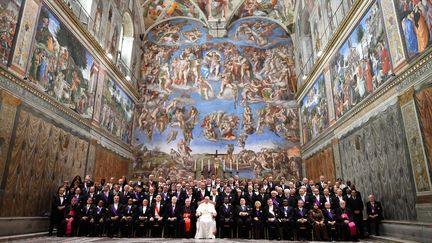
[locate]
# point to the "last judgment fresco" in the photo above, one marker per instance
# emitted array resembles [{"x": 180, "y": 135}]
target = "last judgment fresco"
[{"x": 218, "y": 105}]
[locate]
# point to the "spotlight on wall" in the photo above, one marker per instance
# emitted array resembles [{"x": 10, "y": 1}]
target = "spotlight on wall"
[
  {"x": 110, "y": 56},
  {"x": 319, "y": 54},
  {"x": 128, "y": 78},
  {"x": 304, "y": 77}
]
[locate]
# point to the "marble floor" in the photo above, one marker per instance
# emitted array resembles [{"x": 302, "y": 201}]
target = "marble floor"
[{"x": 44, "y": 239}]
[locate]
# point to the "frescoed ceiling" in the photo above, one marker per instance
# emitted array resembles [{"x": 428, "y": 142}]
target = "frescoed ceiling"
[{"x": 218, "y": 11}]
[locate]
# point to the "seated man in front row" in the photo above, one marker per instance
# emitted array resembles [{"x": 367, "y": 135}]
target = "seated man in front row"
[
  {"x": 206, "y": 224},
  {"x": 374, "y": 212}
]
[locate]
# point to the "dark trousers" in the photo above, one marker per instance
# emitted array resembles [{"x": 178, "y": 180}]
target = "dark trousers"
[
  {"x": 258, "y": 229},
  {"x": 243, "y": 224},
  {"x": 376, "y": 222},
  {"x": 141, "y": 227},
  {"x": 114, "y": 226},
  {"x": 55, "y": 221},
  {"x": 171, "y": 229},
  {"x": 302, "y": 231},
  {"x": 156, "y": 227},
  {"x": 126, "y": 227},
  {"x": 358, "y": 220},
  {"x": 226, "y": 227},
  {"x": 273, "y": 229},
  {"x": 287, "y": 230},
  {"x": 85, "y": 227}
]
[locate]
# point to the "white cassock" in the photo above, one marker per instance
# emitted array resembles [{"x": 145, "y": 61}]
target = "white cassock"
[{"x": 206, "y": 225}]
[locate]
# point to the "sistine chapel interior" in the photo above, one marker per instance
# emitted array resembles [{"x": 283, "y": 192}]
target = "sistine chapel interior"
[{"x": 162, "y": 96}]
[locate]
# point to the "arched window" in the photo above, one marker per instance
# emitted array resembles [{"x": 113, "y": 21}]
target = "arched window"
[{"x": 126, "y": 45}]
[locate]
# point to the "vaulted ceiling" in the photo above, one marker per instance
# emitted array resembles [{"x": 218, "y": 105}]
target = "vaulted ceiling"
[{"x": 218, "y": 14}]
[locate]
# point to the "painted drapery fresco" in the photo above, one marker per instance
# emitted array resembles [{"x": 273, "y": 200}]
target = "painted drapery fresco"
[
  {"x": 202, "y": 94},
  {"x": 415, "y": 18},
  {"x": 314, "y": 110},
  {"x": 61, "y": 66},
  {"x": 9, "y": 13},
  {"x": 116, "y": 111},
  {"x": 423, "y": 100},
  {"x": 321, "y": 163},
  {"x": 375, "y": 158},
  {"x": 362, "y": 64}
]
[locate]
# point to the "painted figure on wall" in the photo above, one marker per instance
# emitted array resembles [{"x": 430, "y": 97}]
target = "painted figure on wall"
[
  {"x": 362, "y": 64},
  {"x": 9, "y": 13},
  {"x": 98, "y": 18},
  {"x": 282, "y": 11},
  {"x": 117, "y": 111},
  {"x": 416, "y": 20},
  {"x": 200, "y": 94},
  {"x": 314, "y": 110},
  {"x": 423, "y": 99},
  {"x": 61, "y": 66}
]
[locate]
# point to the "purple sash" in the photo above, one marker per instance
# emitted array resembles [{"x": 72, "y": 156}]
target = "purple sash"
[
  {"x": 330, "y": 214},
  {"x": 275, "y": 202},
  {"x": 114, "y": 210},
  {"x": 301, "y": 213}
]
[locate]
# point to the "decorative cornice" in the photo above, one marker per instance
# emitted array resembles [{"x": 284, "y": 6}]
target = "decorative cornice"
[
  {"x": 347, "y": 24},
  {"x": 68, "y": 15},
  {"x": 8, "y": 98}
]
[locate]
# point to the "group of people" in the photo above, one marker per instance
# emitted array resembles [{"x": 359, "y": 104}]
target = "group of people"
[{"x": 206, "y": 208}]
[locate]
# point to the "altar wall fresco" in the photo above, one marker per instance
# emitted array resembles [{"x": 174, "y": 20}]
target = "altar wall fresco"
[{"x": 235, "y": 95}]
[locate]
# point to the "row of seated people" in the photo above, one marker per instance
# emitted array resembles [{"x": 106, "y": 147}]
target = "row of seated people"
[{"x": 240, "y": 213}]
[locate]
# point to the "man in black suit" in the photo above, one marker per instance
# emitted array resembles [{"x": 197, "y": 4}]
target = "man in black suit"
[
  {"x": 106, "y": 196},
  {"x": 157, "y": 213},
  {"x": 114, "y": 215},
  {"x": 286, "y": 218},
  {"x": 125, "y": 195},
  {"x": 243, "y": 215},
  {"x": 100, "y": 218},
  {"x": 138, "y": 196},
  {"x": 249, "y": 196},
  {"x": 317, "y": 198},
  {"x": 271, "y": 214},
  {"x": 58, "y": 205},
  {"x": 128, "y": 218},
  {"x": 330, "y": 220},
  {"x": 303, "y": 196},
  {"x": 172, "y": 218},
  {"x": 301, "y": 219},
  {"x": 142, "y": 220},
  {"x": 226, "y": 218},
  {"x": 215, "y": 198},
  {"x": 79, "y": 197},
  {"x": 356, "y": 206},
  {"x": 86, "y": 218},
  {"x": 87, "y": 183},
  {"x": 151, "y": 196},
  {"x": 374, "y": 211},
  {"x": 327, "y": 197},
  {"x": 201, "y": 192}
]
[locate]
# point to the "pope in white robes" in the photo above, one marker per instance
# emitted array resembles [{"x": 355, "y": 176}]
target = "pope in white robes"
[{"x": 206, "y": 224}]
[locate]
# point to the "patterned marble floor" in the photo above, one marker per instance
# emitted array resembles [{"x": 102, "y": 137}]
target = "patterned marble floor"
[{"x": 44, "y": 239}]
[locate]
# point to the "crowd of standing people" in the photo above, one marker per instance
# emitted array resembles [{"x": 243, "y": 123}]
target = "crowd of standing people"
[{"x": 214, "y": 207}]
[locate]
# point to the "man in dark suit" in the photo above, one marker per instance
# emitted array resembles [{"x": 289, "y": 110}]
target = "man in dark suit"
[
  {"x": 79, "y": 197},
  {"x": 172, "y": 218},
  {"x": 226, "y": 218},
  {"x": 157, "y": 213},
  {"x": 151, "y": 196},
  {"x": 106, "y": 196},
  {"x": 86, "y": 218},
  {"x": 128, "y": 218},
  {"x": 58, "y": 206},
  {"x": 201, "y": 192},
  {"x": 114, "y": 215},
  {"x": 87, "y": 183},
  {"x": 271, "y": 214},
  {"x": 100, "y": 218},
  {"x": 327, "y": 197},
  {"x": 142, "y": 220},
  {"x": 356, "y": 206},
  {"x": 125, "y": 195},
  {"x": 317, "y": 198},
  {"x": 301, "y": 219},
  {"x": 374, "y": 211},
  {"x": 305, "y": 198},
  {"x": 330, "y": 220},
  {"x": 243, "y": 216},
  {"x": 215, "y": 197},
  {"x": 249, "y": 196},
  {"x": 286, "y": 218},
  {"x": 138, "y": 196}
]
